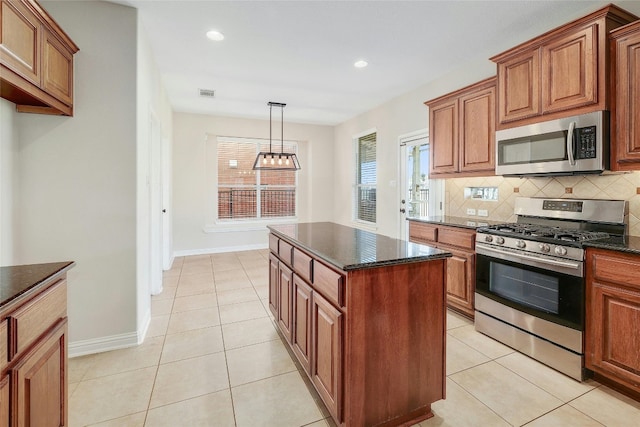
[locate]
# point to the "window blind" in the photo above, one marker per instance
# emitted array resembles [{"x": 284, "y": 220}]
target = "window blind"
[{"x": 367, "y": 176}]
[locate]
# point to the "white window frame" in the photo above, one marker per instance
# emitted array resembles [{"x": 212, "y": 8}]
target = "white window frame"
[
  {"x": 230, "y": 224},
  {"x": 354, "y": 193}
]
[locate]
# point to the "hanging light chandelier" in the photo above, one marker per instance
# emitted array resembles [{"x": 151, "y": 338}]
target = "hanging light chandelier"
[{"x": 276, "y": 161}]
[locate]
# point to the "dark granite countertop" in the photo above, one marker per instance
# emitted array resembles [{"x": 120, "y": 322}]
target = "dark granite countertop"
[
  {"x": 454, "y": 221},
  {"x": 350, "y": 248},
  {"x": 20, "y": 279},
  {"x": 629, "y": 244}
]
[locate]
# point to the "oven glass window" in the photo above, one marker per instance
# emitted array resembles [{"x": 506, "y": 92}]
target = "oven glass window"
[
  {"x": 529, "y": 288},
  {"x": 550, "y": 147}
]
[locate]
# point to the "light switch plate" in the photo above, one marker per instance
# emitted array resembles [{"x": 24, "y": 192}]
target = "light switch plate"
[
  {"x": 483, "y": 212},
  {"x": 471, "y": 211}
]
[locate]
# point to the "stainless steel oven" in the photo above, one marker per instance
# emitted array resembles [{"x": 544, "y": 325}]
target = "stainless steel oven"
[{"x": 530, "y": 288}]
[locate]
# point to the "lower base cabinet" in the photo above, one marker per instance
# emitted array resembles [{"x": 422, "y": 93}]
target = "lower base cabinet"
[
  {"x": 326, "y": 365},
  {"x": 40, "y": 386},
  {"x": 371, "y": 341},
  {"x": 612, "y": 339},
  {"x": 4, "y": 401}
]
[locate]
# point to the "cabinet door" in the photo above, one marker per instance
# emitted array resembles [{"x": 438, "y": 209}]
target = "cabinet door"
[
  {"x": 57, "y": 69},
  {"x": 614, "y": 337},
  {"x": 285, "y": 295},
  {"x": 519, "y": 87},
  {"x": 477, "y": 131},
  {"x": 570, "y": 71},
  {"x": 627, "y": 117},
  {"x": 443, "y": 128},
  {"x": 4, "y": 401},
  {"x": 461, "y": 280},
  {"x": 39, "y": 383},
  {"x": 326, "y": 367},
  {"x": 20, "y": 40},
  {"x": 301, "y": 337},
  {"x": 274, "y": 275}
]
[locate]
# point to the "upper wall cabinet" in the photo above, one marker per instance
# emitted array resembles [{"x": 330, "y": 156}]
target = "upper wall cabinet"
[
  {"x": 36, "y": 59},
  {"x": 462, "y": 131},
  {"x": 625, "y": 125},
  {"x": 561, "y": 73}
]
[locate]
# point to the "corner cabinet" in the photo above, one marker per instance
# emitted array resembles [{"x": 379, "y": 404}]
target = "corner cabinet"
[
  {"x": 36, "y": 60},
  {"x": 563, "y": 72},
  {"x": 462, "y": 131},
  {"x": 625, "y": 113},
  {"x": 344, "y": 334},
  {"x": 612, "y": 315},
  {"x": 461, "y": 283}
]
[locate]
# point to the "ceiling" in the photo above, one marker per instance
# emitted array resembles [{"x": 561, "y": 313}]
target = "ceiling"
[{"x": 302, "y": 52}]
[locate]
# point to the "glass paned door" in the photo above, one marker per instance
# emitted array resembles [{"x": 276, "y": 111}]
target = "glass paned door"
[{"x": 419, "y": 195}]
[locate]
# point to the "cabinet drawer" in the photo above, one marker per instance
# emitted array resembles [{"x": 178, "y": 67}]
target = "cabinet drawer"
[
  {"x": 285, "y": 251},
  {"x": 616, "y": 268},
  {"x": 329, "y": 283},
  {"x": 303, "y": 265},
  {"x": 462, "y": 239},
  {"x": 34, "y": 318},
  {"x": 273, "y": 243},
  {"x": 4, "y": 343},
  {"x": 422, "y": 232}
]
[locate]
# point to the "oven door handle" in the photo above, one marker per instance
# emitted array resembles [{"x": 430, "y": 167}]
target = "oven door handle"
[{"x": 518, "y": 257}]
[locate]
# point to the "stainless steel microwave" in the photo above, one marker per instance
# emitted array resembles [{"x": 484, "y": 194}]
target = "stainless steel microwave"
[{"x": 568, "y": 146}]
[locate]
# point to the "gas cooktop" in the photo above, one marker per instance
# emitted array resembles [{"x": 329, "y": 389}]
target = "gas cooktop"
[{"x": 541, "y": 233}]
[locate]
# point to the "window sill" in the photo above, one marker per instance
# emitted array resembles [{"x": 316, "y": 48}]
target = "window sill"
[{"x": 245, "y": 225}]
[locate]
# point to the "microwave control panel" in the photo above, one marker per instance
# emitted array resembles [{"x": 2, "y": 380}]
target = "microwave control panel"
[{"x": 586, "y": 142}]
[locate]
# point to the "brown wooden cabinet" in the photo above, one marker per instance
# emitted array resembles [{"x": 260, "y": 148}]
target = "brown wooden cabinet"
[
  {"x": 461, "y": 283},
  {"x": 33, "y": 352},
  {"x": 462, "y": 131},
  {"x": 285, "y": 295},
  {"x": 612, "y": 315},
  {"x": 344, "y": 334},
  {"x": 274, "y": 275},
  {"x": 326, "y": 365},
  {"x": 561, "y": 73},
  {"x": 36, "y": 59},
  {"x": 625, "y": 112}
]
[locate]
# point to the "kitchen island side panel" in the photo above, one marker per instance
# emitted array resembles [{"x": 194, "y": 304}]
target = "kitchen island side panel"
[{"x": 395, "y": 343}]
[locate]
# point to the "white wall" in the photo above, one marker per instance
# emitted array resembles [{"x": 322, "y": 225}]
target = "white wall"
[
  {"x": 8, "y": 179},
  {"x": 400, "y": 116},
  {"x": 77, "y": 177},
  {"x": 193, "y": 198}
]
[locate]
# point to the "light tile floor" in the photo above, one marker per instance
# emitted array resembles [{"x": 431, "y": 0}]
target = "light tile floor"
[{"x": 212, "y": 357}]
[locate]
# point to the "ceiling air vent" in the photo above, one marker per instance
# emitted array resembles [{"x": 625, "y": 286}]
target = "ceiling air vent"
[{"x": 207, "y": 93}]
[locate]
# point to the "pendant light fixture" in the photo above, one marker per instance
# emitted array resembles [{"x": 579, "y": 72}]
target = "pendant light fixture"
[{"x": 276, "y": 161}]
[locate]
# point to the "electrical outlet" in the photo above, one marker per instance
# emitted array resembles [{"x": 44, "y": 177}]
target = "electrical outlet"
[
  {"x": 471, "y": 211},
  {"x": 483, "y": 212}
]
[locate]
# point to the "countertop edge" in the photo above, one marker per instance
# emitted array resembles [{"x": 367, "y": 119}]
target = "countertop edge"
[
  {"x": 352, "y": 267},
  {"x": 611, "y": 247},
  {"x": 19, "y": 297}
]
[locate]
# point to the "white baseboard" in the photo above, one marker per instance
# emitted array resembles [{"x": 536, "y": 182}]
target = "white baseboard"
[
  {"x": 208, "y": 251},
  {"x": 98, "y": 345},
  {"x": 113, "y": 342}
]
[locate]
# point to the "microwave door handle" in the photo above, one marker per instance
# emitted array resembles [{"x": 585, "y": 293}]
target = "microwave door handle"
[{"x": 572, "y": 160}]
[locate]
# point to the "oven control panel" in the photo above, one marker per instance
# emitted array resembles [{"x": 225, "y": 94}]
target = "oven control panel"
[{"x": 562, "y": 205}]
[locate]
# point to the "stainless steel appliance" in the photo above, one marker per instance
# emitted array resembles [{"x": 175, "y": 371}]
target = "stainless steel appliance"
[
  {"x": 567, "y": 146},
  {"x": 530, "y": 288}
]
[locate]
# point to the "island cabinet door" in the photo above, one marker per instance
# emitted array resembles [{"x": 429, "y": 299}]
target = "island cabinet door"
[
  {"x": 4, "y": 401},
  {"x": 273, "y": 285},
  {"x": 326, "y": 361},
  {"x": 301, "y": 338},
  {"x": 285, "y": 294}
]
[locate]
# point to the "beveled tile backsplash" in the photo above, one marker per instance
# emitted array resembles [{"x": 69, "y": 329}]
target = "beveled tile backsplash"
[{"x": 614, "y": 186}]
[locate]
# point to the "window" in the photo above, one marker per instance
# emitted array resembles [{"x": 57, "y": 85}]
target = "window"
[
  {"x": 366, "y": 177},
  {"x": 247, "y": 194}
]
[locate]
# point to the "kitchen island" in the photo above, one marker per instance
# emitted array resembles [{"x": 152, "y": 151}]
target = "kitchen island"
[{"x": 364, "y": 314}]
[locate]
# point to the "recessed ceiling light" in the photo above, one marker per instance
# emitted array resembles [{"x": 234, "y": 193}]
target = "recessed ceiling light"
[
  {"x": 360, "y": 64},
  {"x": 215, "y": 35}
]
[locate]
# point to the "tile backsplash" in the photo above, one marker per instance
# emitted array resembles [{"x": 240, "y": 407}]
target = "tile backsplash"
[{"x": 615, "y": 186}]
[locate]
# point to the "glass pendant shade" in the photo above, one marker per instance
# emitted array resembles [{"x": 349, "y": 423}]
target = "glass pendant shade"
[{"x": 270, "y": 160}]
